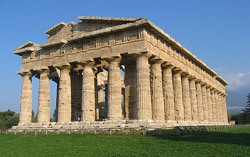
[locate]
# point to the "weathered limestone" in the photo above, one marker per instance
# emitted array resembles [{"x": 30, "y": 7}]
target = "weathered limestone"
[
  {"x": 88, "y": 92},
  {"x": 157, "y": 92},
  {"x": 130, "y": 90},
  {"x": 144, "y": 107},
  {"x": 114, "y": 90},
  {"x": 193, "y": 98},
  {"x": 164, "y": 84},
  {"x": 44, "y": 97},
  {"x": 209, "y": 105},
  {"x": 179, "y": 109},
  {"x": 199, "y": 101},
  {"x": 213, "y": 105},
  {"x": 204, "y": 102},
  {"x": 186, "y": 97},
  {"x": 26, "y": 98},
  {"x": 168, "y": 92},
  {"x": 216, "y": 108},
  {"x": 64, "y": 98}
]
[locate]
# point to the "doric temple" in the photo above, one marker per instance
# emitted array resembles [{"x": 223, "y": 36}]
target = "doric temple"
[{"x": 123, "y": 72}]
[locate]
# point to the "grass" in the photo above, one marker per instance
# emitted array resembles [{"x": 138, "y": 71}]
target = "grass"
[{"x": 225, "y": 142}]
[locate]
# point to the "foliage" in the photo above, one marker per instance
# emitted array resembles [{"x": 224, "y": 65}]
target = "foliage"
[
  {"x": 5, "y": 116},
  {"x": 226, "y": 142},
  {"x": 12, "y": 121},
  {"x": 243, "y": 117}
]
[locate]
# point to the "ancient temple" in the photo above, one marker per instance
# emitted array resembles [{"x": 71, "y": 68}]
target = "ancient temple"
[{"x": 118, "y": 71}]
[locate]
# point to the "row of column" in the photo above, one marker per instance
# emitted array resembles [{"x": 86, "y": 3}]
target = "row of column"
[{"x": 162, "y": 92}]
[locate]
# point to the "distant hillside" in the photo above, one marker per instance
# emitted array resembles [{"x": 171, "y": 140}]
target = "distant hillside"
[{"x": 236, "y": 100}]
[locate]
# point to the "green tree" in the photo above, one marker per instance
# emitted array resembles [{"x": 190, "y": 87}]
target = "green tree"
[
  {"x": 4, "y": 116},
  {"x": 246, "y": 112},
  {"x": 12, "y": 121}
]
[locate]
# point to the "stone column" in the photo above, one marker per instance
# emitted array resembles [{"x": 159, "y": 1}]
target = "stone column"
[
  {"x": 143, "y": 94},
  {"x": 220, "y": 117},
  {"x": 179, "y": 109},
  {"x": 193, "y": 99},
  {"x": 168, "y": 92},
  {"x": 186, "y": 97},
  {"x": 114, "y": 90},
  {"x": 225, "y": 108},
  {"x": 88, "y": 92},
  {"x": 213, "y": 105},
  {"x": 216, "y": 105},
  {"x": 199, "y": 101},
  {"x": 26, "y": 98},
  {"x": 64, "y": 98},
  {"x": 130, "y": 90},
  {"x": 204, "y": 101},
  {"x": 44, "y": 96},
  {"x": 100, "y": 100},
  {"x": 209, "y": 105},
  {"x": 157, "y": 92}
]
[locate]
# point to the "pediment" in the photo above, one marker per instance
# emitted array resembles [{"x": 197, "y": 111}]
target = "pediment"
[{"x": 27, "y": 47}]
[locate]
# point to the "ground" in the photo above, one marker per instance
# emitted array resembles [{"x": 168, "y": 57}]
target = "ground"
[{"x": 225, "y": 142}]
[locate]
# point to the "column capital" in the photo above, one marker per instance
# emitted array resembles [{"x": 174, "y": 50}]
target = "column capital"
[
  {"x": 198, "y": 81},
  {"x": 204, "y": 84},
  {"x": 117, "y": 58},
  {"x": 177, "y": 70},
  {"x": 25, "y": 72},
  {"x": 185, "y": 74},
  {"x": 167, "y": 65},
  {"x": 156, "y": 60},
  {"x": 63, "y": 66},
  {"x": 208, "y": 86},
  {"x": 144, "y": 54},
  {"x": 43, "y": 69}
]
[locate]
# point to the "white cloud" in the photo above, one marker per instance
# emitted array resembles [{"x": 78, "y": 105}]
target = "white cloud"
[{"x": 237, "y": 80}]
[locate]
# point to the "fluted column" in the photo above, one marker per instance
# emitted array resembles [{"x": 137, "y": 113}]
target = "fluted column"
[
  {"x": 168, "y": 92},
  {"x": 220, "y": 116},
  {"x": 186, "y": 97},
  {"x": 213, "y": 105},
  {"x": 143, "y": 94},
  {"x": 44, "y": 96},
  {"x": 114, "y": 90},
  {"x": 157, "y": 92},
  {"x": 209, "y": 105},
  {"x": 130, "y": 90},
  {"x": 216, "y": 105},
  {"x": 88, "y": 92},
  {"x": 199, "y": 101},
  {"x": 179, "y": 109},
  {"x": 193, "y": 97},
  {"x": 225, "y": 109},
  {"x": 26, "y": 98},
  {"x": 204, "y": 102},
  {"x": 64, "y": 98}
]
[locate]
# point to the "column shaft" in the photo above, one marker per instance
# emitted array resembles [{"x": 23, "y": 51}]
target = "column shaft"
[
  {"x": 209, "y": 105},
  {"x": 168, "y": 93},
  {"x": 179, "y": 109},
  {"x": 143, "y": 94},
  {"x": 213, "y": 106},
  {"x": 157, "y": 93},
  {"x": 204, "y": 102},
  {"x": 216, "y": 109},
  {"x": 44, "y": 97},
  {"x": 193, "y": 100},
  {"x": 130, "y": 90},
  {"x": 64, "y": 98},
  {"x": 26, "y": 99},
  {"x": 220, "y": 116},
  {"x": 186, "y": 98},
  {"x": 114, "y": 91},
  {"x": 88, "y": 93},
  {"x": 199, "y": 102}
]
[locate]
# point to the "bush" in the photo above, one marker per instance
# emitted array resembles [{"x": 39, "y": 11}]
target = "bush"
[{"x": 12, "y": 121}]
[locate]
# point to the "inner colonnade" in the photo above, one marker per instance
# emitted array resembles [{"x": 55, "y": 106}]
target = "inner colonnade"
[
  {"x": 154, "y": 91},
  {"x": 118, "y": 71}
]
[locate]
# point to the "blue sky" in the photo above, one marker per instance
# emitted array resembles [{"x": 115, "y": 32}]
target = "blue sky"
[{"x": 216, "y": 31}]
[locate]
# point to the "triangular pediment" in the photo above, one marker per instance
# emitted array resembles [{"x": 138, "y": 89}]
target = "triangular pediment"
[{"x": 27, "y": 47}]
